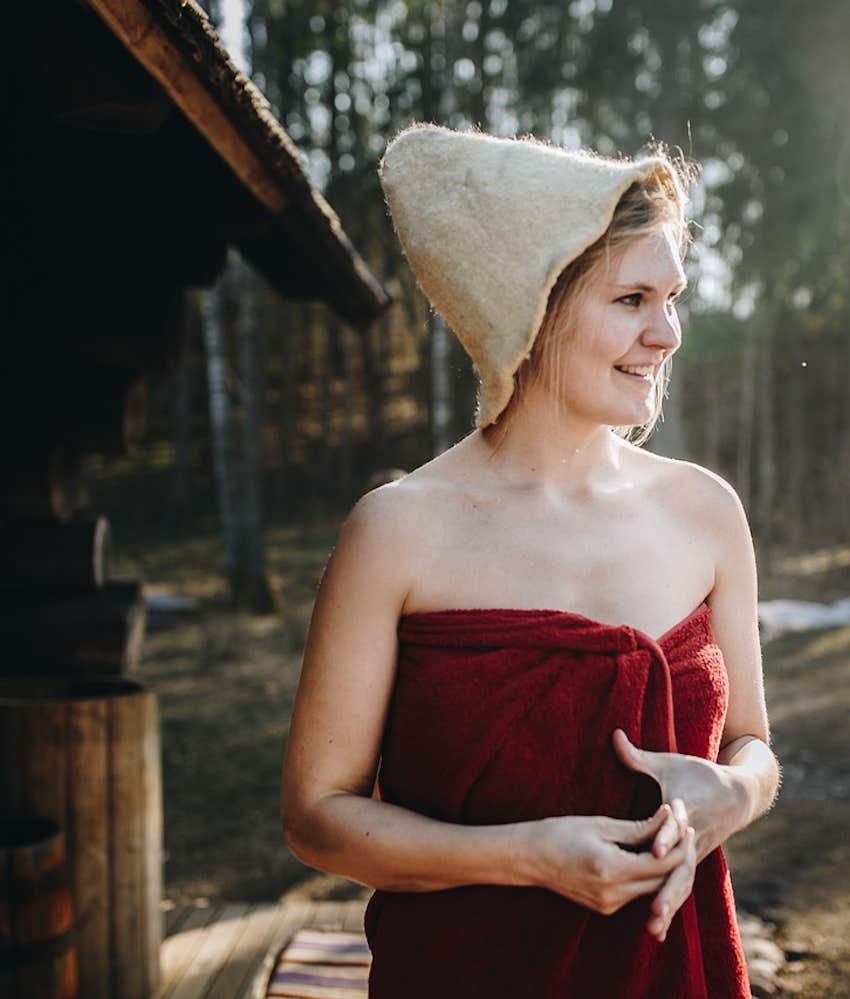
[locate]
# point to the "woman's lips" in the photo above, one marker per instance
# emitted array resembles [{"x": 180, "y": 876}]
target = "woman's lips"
[{"x": 646, "y": 379}]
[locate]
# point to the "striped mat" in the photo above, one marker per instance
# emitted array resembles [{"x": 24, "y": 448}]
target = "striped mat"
[{"x": 322, "y": 964}]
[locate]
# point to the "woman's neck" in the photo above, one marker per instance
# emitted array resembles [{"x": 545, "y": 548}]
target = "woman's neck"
[{"x": 555, "y": 456}]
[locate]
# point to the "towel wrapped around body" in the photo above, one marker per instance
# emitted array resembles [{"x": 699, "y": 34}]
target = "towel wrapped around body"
[{"x": 506, "y": 715}]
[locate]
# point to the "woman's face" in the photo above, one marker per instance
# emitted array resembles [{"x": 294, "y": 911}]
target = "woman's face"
[{"x": 627, "y": 320}]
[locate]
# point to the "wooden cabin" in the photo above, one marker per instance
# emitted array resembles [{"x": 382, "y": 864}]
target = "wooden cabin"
[{"x": 138, "y": 155}]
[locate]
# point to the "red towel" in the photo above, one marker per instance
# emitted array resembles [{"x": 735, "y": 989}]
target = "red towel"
[{"x": 506, "y": 715}]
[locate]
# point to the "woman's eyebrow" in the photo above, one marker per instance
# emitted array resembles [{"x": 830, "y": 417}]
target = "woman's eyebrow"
[{"x": 648, "y": 287}]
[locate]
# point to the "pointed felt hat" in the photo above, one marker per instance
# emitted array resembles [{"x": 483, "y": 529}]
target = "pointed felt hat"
[{"x": 487, "y": 225}]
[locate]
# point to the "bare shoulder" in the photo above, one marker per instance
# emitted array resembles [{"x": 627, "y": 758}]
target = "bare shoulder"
[
  {"x": 706, "y": 507},
  {"x": 391, "y": 513},
  {"x": 381, "y": 513},
  {"x": 715, "y": 503},
  {"x": 383, "y": 531},
  {"x": 698, "y": 493},
  {"x": 376, "y": 537}
]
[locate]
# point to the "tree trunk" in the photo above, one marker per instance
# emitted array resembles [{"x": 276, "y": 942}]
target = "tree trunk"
[
  {"x": 256, "y": 591},
  {"x": 746, "y": 414},
  {"x": 766, "y": 456},
  {"x": 669, "y": 120},
  {"x": 326, "y": 452},
  {"x": 841, "y": 477},
  {"x": 220, "y": 424},
  {"x": 439, "y": 345},
  {"x": 713, "y": 418},
  {"x": 344, "y": 481},
  {"x": 794, "y": 446},
  {"x": 291, "y": 323},
  {"x": 183, "y": 401},
  {"x": 477, "y": 53},
  {"x": 373, "y": 384},
  {"x": 441, "y": 384}
]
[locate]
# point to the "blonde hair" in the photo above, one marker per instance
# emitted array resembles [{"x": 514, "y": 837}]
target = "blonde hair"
[{"x": 645, "y": 208}]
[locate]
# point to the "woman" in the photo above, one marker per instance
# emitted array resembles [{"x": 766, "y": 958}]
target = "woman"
[{"x": 554, "y": 786}]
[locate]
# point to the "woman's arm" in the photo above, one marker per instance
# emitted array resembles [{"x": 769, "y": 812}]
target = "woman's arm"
[
  {"x": 723, "y": 797},
  {"x": 745, "y": 751},
  {"x": 330, "y": 820},
  {"x": 404, "y": 851},
  {"x": 755, "y": 774}
]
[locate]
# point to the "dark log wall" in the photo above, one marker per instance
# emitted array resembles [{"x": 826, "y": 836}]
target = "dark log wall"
[
  {"x": 119, "y": 202},
  {"x": 117, "y": 206}
]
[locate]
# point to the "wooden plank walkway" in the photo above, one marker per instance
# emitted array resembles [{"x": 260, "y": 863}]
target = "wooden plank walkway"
[{"x": 227, "y": 950}]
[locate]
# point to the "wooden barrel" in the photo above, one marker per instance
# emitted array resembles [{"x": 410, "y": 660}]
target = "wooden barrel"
[
  {"x": 37, "y": 955},
  {"x": 86, "y": 753}
]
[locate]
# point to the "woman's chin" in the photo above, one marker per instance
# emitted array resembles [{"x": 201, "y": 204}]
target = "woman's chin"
[
  {"x": 631, "y": 417},
  {"x": 615, "y": 414}
]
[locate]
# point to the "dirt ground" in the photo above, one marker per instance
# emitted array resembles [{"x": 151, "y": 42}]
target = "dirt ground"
[
  {"x": 226, "y": 681},
  {"x": 792, "y": 867}
]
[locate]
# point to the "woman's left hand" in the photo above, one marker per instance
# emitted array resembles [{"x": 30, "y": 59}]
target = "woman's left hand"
[{"x": 714, "y": 806}]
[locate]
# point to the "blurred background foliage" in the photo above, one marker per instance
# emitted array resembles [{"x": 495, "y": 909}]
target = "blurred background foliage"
[{"x": 756, "y": 91}]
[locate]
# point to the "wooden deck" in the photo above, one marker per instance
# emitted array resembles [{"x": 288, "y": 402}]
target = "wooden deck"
[{"x": 226, "y": 950}]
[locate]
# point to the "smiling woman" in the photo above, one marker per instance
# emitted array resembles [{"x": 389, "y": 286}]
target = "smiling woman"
[
  {"x": 537, "y": 791},
  {"x": 607, "y": 273}
]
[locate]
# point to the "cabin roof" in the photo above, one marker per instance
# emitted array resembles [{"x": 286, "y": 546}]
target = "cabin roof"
[
  {"x": 176, "y": 43},
  {"x": 134, "y": 109}
]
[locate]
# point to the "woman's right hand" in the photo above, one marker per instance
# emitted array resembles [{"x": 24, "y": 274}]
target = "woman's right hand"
[{"x": 580, "y": 857}]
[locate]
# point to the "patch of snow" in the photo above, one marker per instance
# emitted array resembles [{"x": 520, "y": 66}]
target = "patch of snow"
[{"x": 778, "y": 616}]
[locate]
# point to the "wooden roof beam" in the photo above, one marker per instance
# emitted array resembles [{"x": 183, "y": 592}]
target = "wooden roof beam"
[{"x": 144, "y": 37}]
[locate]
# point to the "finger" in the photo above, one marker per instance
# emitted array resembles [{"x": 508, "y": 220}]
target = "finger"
[
  {"x": 667, "y": 836},
  {"x": 630, "y": 755},
  {"x": 635, "y": 866},
  {"x": 668, "y": 892},
  {"x": 675, "y": 891},
  {"x": 681, "y": 813},
  {"x": 630, "y": 831},
  {"x": 642, "y": 886},
  {"x": 673, "y": 829}
]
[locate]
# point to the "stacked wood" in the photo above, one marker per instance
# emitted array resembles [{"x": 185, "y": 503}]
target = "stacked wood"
[
  {"x": 86, "y": 754},
  {"x": 59, "y": 610},
  {"x": 50, "y": 553},
  {"x": 78, "y": 407},
  {"x": 38, "y": 959},
  {"x": 109, "y": 409},
  {"x": 73, "y": 632}
]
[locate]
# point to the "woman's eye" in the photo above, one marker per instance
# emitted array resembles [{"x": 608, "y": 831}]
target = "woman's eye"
[{"x": 636, "y": 297}]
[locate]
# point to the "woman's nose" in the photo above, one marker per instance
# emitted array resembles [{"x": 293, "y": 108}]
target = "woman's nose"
[{"x": 664, "y": 330}]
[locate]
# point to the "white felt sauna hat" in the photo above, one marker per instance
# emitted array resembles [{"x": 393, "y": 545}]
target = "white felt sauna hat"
[{"x": 487, "y": 225}]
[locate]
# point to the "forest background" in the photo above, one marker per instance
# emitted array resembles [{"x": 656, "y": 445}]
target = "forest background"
[
  {"x": 277, "y": 415},
  {"x": 305, "y": 409}
]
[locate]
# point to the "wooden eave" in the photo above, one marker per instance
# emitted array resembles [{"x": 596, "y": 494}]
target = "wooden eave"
[{"x": 175, "y": 43}]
